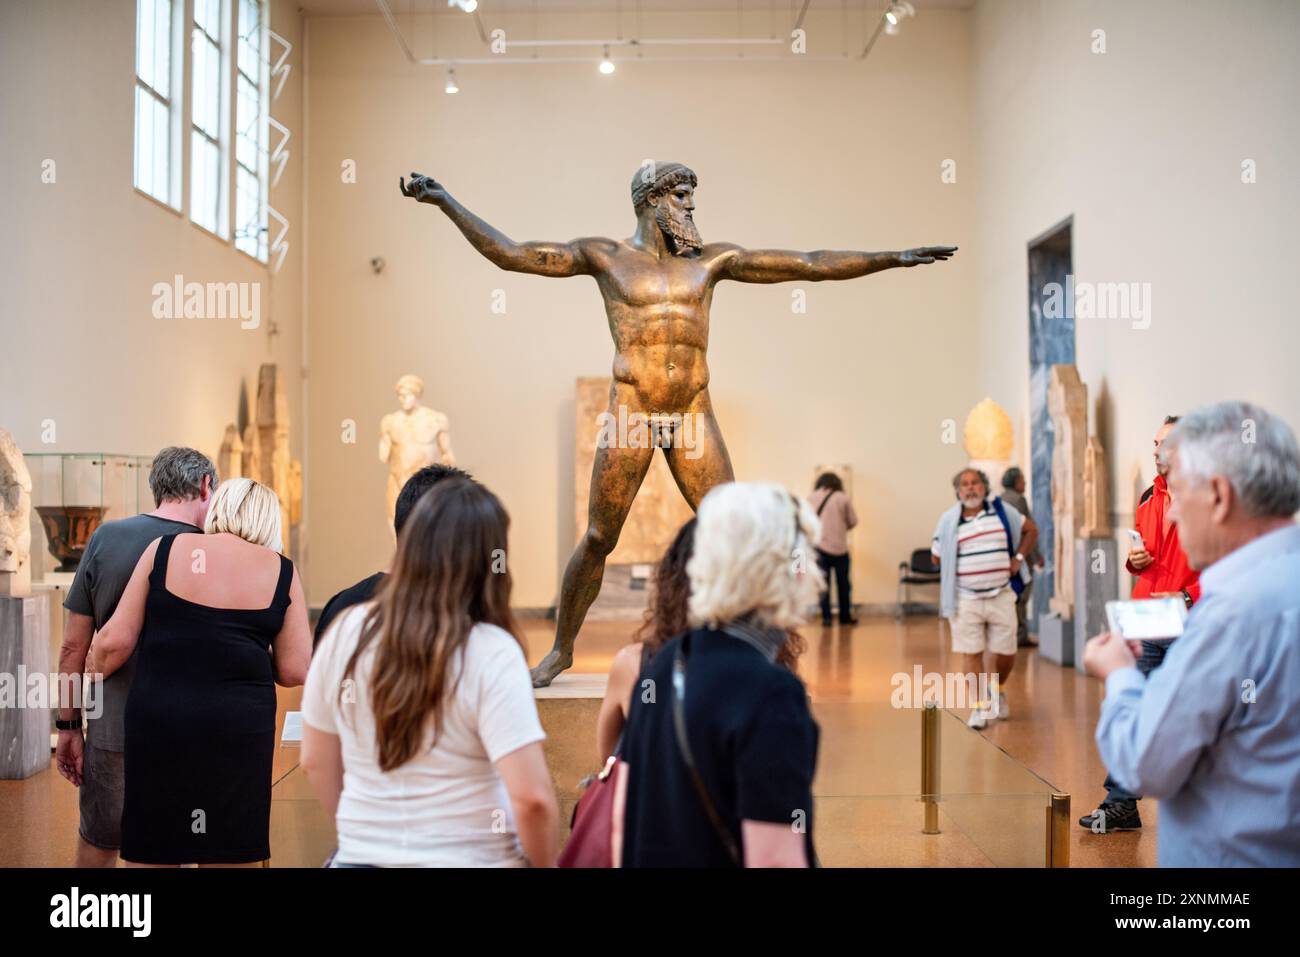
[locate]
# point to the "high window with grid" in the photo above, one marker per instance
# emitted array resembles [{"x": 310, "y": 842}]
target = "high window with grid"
[{"x": 157, "y": 101}]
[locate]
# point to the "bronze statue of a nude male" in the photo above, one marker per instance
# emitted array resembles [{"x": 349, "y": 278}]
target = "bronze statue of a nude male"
[{"x": 657, "y": 288}]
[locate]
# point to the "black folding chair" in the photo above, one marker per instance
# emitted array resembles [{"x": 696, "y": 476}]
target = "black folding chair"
[{"x": 920, "y": 570}]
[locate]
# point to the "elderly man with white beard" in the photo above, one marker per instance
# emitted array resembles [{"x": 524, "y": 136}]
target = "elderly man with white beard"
[
  {"x": 1214, "y": 733},
  {"x": 980, "y": 545}
]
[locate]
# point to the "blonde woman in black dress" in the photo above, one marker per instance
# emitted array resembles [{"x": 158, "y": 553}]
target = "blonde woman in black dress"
[{"x": 217, "y": 620}]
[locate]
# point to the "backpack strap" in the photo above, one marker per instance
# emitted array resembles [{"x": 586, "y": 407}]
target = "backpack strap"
[{"x": 1016, "y": 582}]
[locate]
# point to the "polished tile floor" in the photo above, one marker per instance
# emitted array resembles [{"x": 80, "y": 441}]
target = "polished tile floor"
[{"x": 866, "y": 809}]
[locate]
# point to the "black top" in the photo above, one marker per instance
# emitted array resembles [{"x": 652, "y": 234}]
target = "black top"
[
  {"x": 753, "y": 739},
  {"x": 200, "y": 728},
  {"x": 102, "y": 576},
  {"x": 357, "y": 594}
]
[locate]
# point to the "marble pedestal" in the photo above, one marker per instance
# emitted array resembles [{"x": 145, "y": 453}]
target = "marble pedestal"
[
  {"x": 24, "y": 652},
  {"x": 1056, "y": 638},
  {"x": 568, "y": 709},
  {"x": 1096, "y": 581}
]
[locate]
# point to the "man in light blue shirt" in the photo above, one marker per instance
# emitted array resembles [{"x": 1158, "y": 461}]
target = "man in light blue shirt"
[{"x": 1215, "y": 731}]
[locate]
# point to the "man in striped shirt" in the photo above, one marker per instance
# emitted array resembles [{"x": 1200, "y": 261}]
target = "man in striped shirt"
[{"x": 979, "y": 546}]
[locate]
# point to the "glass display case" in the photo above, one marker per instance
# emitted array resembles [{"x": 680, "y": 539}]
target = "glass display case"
[{"x": 73, "y": 493}]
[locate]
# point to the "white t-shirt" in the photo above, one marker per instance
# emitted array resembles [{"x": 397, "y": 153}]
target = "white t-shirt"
[{"x": 446, "y": 807}]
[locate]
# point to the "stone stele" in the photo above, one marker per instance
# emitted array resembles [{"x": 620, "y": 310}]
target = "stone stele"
[
  {"x": 1067, "y": 402},
  {"x": 230, "y": 460},
  {"x": 1096, "y": 492},
  {"x": 15, "y": 520}
]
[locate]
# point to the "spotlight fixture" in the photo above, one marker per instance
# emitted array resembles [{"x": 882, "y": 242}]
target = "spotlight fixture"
[
  {"x": 469, "y": 6},
  {"x": 895, "y": 14},
  {"x": 451, "y": 86},
  {"x": 607, "y": 65}
]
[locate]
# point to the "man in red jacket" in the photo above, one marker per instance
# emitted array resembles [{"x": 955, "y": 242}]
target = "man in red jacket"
[{"x": 1161, "y": 567}]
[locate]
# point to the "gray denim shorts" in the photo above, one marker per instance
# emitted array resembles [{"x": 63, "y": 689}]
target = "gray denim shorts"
[{"x": 101, "y": 797}]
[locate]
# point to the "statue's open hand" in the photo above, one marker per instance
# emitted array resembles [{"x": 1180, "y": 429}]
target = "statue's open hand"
[
  {"x": 925, "y": 254},
  {"x": 425, "y": 189}
]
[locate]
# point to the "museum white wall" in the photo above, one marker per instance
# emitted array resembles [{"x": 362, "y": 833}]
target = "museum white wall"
[
  {"x": 816, "y": 154},
  {"x": 1144, "y": 146},
  {"x": 79, "y": 257}
]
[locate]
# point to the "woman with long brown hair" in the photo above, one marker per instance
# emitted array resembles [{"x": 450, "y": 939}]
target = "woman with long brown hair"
[
  {"x": 423, "y": 697},
  {"x": 666, "y": 617}
]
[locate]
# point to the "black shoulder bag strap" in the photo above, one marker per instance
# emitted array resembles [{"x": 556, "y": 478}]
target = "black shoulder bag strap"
[
  {"x": 683, "y": 745},
  {"x": 826, "y": 501}
]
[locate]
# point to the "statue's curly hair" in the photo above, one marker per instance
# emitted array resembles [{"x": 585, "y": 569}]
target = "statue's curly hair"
[{"x": 657, "y": 178}]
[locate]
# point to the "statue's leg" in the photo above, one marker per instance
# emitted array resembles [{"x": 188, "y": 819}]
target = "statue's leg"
[
  {"x": 698, "y": 458},
  {"x": 616, "y": 475}
]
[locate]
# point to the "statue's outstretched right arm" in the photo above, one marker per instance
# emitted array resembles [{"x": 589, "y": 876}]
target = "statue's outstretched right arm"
[{"x": 538, "y": 258}]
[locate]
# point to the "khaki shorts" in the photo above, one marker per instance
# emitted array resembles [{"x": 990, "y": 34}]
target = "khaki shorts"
[
  {"x": 985, "y": 624},
  {"x": 102, "y": 790}
]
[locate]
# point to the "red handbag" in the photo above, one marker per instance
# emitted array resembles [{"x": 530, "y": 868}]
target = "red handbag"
[{"x": 596, "y": 839}]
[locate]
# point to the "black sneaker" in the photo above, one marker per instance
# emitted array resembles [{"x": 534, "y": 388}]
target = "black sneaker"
[{"x": 1113, "y": 817}]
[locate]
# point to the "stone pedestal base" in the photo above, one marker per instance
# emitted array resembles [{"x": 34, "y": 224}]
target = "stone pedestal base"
[
  {"x": 568, "y": 710},
  {"x": 24, "y": 655},
  {"x": 1096, "y": 581},
  {"x": 1056, "y": 639}
]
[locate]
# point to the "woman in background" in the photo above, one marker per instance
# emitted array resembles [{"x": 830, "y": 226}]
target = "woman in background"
[
  {"x": 835, "y": 509},
  {"x": 217, "y": 627},
  {"x": 423, "y": 698}
]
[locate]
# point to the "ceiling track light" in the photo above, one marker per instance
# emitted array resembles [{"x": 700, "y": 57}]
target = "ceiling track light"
[
  {"x": 451, "y": 86},
  {"x": 606, "y": 64},
  {"x": 897, "y": 11},
  {"x": 469, "y": 6}
]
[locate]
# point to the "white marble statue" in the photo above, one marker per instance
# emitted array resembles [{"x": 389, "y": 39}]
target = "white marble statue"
[
  {"x": 411, "y": 438},
  {"x": 15, "y": 520}
]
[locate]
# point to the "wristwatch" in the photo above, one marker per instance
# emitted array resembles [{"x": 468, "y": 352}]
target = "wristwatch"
[
  {"x": 1020, "y": 558},
  {"x": 1187, "y": 597},
  {"x": 72, "y": 724}
]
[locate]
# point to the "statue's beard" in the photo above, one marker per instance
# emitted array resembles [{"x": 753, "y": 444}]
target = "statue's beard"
[{"x": 680, "y": 228}]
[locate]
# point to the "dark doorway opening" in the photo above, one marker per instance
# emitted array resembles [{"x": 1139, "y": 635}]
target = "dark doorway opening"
[{"x": 1051, "y": 342}]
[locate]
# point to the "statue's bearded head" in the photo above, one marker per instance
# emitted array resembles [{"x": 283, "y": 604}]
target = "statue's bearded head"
[{"x": 670, "y": 189}]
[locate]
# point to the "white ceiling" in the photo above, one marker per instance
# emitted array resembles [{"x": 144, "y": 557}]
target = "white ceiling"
[{"x": 351, "y": 7}]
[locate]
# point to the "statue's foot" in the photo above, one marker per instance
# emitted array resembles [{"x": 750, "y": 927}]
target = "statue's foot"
[{"x": 549, "y": 667}]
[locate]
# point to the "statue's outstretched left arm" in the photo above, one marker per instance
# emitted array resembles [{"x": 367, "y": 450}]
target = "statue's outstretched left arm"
[{"x": 783, "y": 265}]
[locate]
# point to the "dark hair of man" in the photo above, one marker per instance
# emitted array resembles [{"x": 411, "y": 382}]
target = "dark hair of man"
[
  {"x": 448, "y": 575},
  {"x": 1172, "y": 419},
  {"x": 176, "y": 475},
  {"x": 668, "y": 614},
  {"x": 1011, "y": 476},
  {"x": 829, "y": 480},
  {"x": 416, "y": 486}
]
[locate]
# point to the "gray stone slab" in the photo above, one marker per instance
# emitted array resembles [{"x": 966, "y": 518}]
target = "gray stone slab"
[
  {"x": 1096, "y": 581},
  {"x": 1056, "y": 639},
  {"x": 24, "y": 655}
]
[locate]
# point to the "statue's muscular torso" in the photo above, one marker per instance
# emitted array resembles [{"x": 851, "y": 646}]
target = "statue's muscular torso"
[{"x": 658, "y": 311}]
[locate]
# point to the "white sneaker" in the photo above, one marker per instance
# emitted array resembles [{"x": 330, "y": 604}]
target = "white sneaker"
[
  {"x": 1003, "y": 709},
  {"x": 979, "y": 718}
]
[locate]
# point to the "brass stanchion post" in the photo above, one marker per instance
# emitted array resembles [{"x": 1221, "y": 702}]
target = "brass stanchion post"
[
  {"x": 930, "y": 766},
  {"x": 1058, "y": 831}
]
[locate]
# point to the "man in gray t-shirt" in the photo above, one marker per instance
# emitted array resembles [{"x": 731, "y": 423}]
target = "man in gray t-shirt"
[{"x": 182, "y": 481}]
